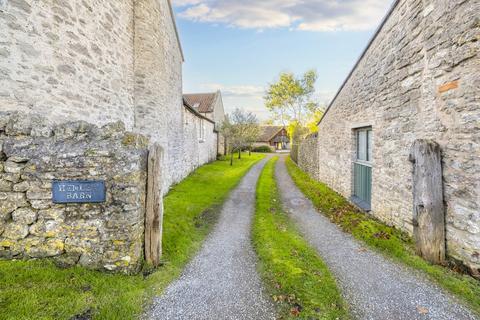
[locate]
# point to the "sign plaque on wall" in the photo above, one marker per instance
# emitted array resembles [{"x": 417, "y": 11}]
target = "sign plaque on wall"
[{"x": 71, "y": 191}]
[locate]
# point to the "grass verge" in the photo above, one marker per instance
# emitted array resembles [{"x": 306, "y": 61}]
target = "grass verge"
[
  {"x": 388, "y": 240},
  {"x": 297, "y": 279},
  {"x": 39, "y": 290}
]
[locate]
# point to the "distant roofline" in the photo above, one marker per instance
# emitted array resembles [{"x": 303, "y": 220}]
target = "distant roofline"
[
  {"x": 172, "y": 14},
  {"x": 195, "y": 112},
  {"x": 276, "y": 132},
  {"x": 372, "y": 39},
  {"x": 217, "y": 94},
  {"x": 273, "y": 136}
]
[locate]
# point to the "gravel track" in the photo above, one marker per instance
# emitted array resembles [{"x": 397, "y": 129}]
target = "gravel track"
[
  {"x": 221, "y": 282},
  {"x": 373, "y": 286}
]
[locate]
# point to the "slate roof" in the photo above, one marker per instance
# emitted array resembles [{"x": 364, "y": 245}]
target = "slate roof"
[
  {"x": 202, "y": 102},
  {"x": 268, "y": 132}
]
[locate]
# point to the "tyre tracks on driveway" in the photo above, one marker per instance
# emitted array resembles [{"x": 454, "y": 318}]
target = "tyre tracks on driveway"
[
  {"x": 374, "y": 287},
  {"x": 221, "y": 282}
]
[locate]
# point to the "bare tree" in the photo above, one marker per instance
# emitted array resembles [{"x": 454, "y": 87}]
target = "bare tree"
[
  {"x": 251, "y": 137},
  {"x": 241, "y": 129}
]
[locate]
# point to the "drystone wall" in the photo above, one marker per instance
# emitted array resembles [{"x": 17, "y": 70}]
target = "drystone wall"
[
  {"x": 419, "y": 79},
  {"x": 307, "y": 155},
  {"x": 34, "y": 153}
]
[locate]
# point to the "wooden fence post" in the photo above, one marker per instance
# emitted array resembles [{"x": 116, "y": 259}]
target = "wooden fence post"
[
  {"x": 154, "y": 206},
  {"x": 428, "y": 207}
]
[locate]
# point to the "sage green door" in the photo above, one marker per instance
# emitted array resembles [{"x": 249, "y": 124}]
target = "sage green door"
[{"x": 362, "y": 168}]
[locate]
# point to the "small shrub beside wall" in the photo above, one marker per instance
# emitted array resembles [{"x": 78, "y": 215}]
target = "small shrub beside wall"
[{"x": 262, "y": 149}]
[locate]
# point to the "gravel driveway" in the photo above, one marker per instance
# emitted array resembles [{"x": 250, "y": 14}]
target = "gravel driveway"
[
  {"x": 373, "y": 286},
  {"x": 221, "y": 282}
]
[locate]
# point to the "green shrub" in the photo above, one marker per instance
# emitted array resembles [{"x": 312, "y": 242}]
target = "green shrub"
[{"x": 262, "y": 149}]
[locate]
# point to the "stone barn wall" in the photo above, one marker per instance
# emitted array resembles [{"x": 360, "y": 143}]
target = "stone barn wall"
[
  {"x": 198, "y": 151},
  {"x": 219, "y": 115},
  {"x": 192, "y": 146},
  {"x": 96, "y": 63},
  {"x": 158, "y": 85},
  {"x": 106, "y": 235},
  {"x": 208, "y": 145},
  {"x": 419, "y": 78},
  {"x": 307, "y": 155},
  {"x": 68, "y": 59},
  {"x": 99, "y": 62}
]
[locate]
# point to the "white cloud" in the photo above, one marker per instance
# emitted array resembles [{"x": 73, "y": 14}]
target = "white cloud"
[
  {"x": 247, "y": 97},
  {"x": 246, "y": 91},
  {"x": 250, "y": 97},
  {"x": 257, "y": 92},
  {"x": 309, "y": 15},
  {"x": 183, "y": 3}
]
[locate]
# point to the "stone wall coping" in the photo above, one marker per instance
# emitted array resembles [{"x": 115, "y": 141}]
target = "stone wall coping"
[{"x": 37, "y": 126}]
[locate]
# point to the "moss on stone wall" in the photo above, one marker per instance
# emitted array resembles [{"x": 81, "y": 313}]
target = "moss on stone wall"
[{"x": 107, "y": 235}]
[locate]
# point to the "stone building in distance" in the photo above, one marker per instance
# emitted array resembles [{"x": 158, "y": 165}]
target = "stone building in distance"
[
  {"x": 210, "y": 105},
  {"x": 418, "y": 79},
  {"x": 86, "y": 88},
  {"x": 201, "y": 137},
  {"x": 275, "y": 137}
]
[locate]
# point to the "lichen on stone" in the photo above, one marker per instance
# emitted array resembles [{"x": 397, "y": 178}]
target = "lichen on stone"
[{"x": 32, "y": 226}]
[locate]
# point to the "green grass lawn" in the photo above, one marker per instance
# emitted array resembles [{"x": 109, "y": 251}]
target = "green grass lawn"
[
  {"x": 297, "y": 279},
  {"x": 39, "y": 290},
  {"x": 388, "y": 240}
]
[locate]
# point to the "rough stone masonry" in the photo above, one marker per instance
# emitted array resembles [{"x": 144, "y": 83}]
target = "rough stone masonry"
[
  {"x": 307, "y": 155},
  {"x": 105, "y": 236},
  {"x": 102, "y": 62},
  {"x": 419, "y": 79},
  {"x": 97, "y": 61}
]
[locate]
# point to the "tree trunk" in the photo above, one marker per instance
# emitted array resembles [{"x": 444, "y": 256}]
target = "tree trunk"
[
  {"x": 240, "y": 153},
  {"x": 154, "y": 207},
  {"x": 428, "y": 208},
  {"x": 231, "y": 158}
]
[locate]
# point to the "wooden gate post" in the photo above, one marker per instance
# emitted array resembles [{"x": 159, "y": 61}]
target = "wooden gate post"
[
  {"x": 428, "y": 208},
  {"x": 154, "y": 206}
]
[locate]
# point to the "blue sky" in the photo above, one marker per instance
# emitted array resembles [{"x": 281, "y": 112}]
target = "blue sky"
[{"x": 241, "y": 46}]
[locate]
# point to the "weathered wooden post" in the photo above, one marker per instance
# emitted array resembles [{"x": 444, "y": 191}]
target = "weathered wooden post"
[
  {"x": 428, "y": 207},
  {"x": 154, "y": 206}
]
